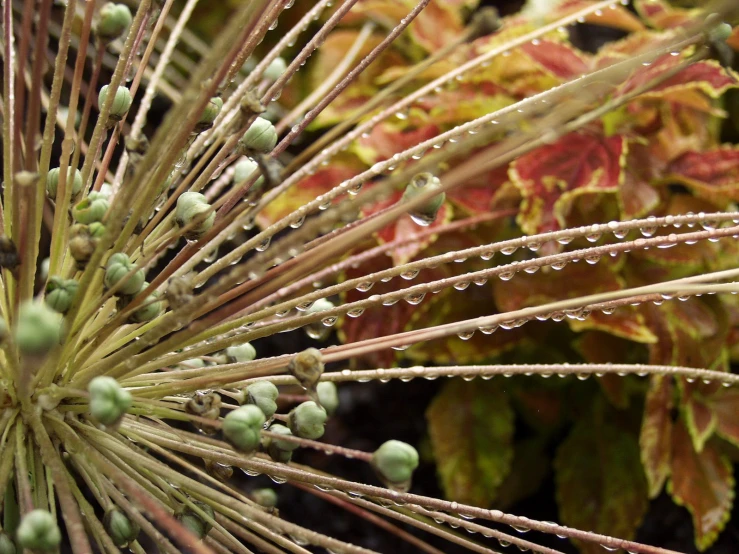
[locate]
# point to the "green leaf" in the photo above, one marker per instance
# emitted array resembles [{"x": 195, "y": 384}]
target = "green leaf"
[
  {"x": 600, "y": 484},
  {"x": 471, "y": 427},
  {"x": 656, "y": 432},
  {"x": 703, "y": 483}
]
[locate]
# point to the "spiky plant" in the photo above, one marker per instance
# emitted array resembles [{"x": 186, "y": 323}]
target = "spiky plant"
[{"x": 130, "y": 293}]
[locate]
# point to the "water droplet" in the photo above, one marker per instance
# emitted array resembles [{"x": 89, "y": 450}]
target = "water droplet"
[
  {"x": 415, "y": 298},
  {"x": 461, "y": 285},
  {"x": 356, "y": 312},
  {"x": 365, "y": 286},
  {"x": 411, "y": 274},
  {"x": 262, "y": 246},
  {"x": 466, "y": 335}
]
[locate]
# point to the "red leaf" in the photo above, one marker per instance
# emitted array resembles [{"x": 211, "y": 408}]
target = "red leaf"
[
  {"x": 703, "y": 483},
  {"x": 725, "y": 404},
  {"x": 551, "y": 176},
  {"x": 714, "y": 173},
  {"x": 386, "y": 140},
  {"x": 660, "y": 14},
  {"x": 614, "y": 16},
  {"x": 699, "y": 417},
  {"x": 655, "y": 439},
  {"x": 558, "y": 58}
]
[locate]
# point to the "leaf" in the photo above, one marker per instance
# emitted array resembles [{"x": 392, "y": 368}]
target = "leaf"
[
  {"x": 471, "y": 427},
  {"x": 551, "y": 176},
  {"x": 636, "y": 196},
  {"x": 655, "y": 439},
  {"x": 558, "y": 58},
  {"x": 699, "y": 417},
  {"x": 661, "y": 15},
  {"x": 703, "y": 483},
  {"x": 599, "y": 482},
  {"x": 530, "y": 466},
  {"x": 713, "y": 174},
  {"x": 725, "y": 404},
  {"x": 385, "y": 140},
  {"x": 615, "y": 16}
]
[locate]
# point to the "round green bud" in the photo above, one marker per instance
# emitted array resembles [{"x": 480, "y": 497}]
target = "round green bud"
[
  {"x": 108, "y": 400},
  {"x": 120, "y": 528},
  {"x": 74, "y": 176},
  {"x": 424, "y": 214},
  {"x": 38, "y": 328},
  {"x": 150, "y": 309},
  {"x": 210, "y": 113},
  {"x": 121, "y": 103},
  {"x": 241, "y": 353},
  {"x": 287, "y": 446},
  {"x": 39, "y": 531},
  {"x": 118, "y": 266},
  {"x": 91, "y": 209},
  {"x": 721, "y": 32},
  {"x": 307, "y": 367},
  {"x": 244, "y": 169},
  {"x": 113, "y": 20},
  {"x": 242, "y": 427},
  {"x": 7, "y": 546},
  {"x": 194, "y": 522},
  {"x": 266, "y": 498},
  {"x": 96, "y": 229},
  {"x": 394, "y": 463},
  {"x": 275, "y": 69},
  {"x": 193, "y": 209},
  {"x": 60, "y": 293},
  {"x": 260, "y": 137},
  {"x": 307, "y": 420},
  {"x": 263, "y": 394},
  {"x": 328, "y": 396}
]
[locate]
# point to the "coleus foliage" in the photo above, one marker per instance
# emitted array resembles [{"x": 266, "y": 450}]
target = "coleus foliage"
[{"x": 658, "y": 154}]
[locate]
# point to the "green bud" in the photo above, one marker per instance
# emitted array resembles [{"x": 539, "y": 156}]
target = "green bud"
[
  {"x": 91, "y": 209},
  {"x": 108, "y": 400},
  {"x": 97, "y": 229},
  {"x": 287, "y": 446},
  {"x": 721, "y": 32},
  {"x": 52, "y": 181},
  {"x": 118, "y": 266},
  {"x": 317, "y": 330},
  {"x": 60, "y": 293},
  {"x": 244, "y": 169},
  {"x": 394, "y": 463},
  {"x": 38, "y": 329},
  {"x": 260, "y": 137},
  {"x": 150, "y": 309},
  {"x": 44, "y": 270},
  {"x": 242, "y": 427},
  {"x": 113, "y": 20},
  {"x": 193, "y": 208},
  {"x": 424, "y": 214},
  {"x": 263, "y": 394},
  {"x": 121, "y": 103},
  {"x": 120, "y": 528},
  {"x": 7, "y": 546},
  {"x": 266, "y": 498},
  {"x": 328, "y": 396},
  {"x": 194, "y": 523},
  {"x": 81, "y": 244},
  {"x": 275, "y": 69},
  {"x": 307, "y": 367},
  {"x": 210, "y": 113},
  {"x": 241, "y": 353},
  {"x": 307, "y": 420},
  {"x": 39, "y": 531},
  {"x": 207, "y": 405}
]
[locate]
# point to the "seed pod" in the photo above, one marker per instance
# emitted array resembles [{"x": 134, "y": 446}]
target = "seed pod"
[
  {"x": 91, "y": 209},
  {"x": 425, "y": 214},
  {"x": 97, "y": 229},
  {"x": 81, "y": 244},
  {"x": 193, "y": 209},
  {"x": 207, "y": 405},
  {"x": 194, "y": 523},
  {"x": 209, "y": 114},
  {"x": 263, "y": 394},
  {"x": 120, "y": 528},
  {"x": 307, "y": 420},
  {"x": 266, "y": 498},
  {"x": 121, "y": 103},
  {"x": 220, "y": 471},
  {"x": 108, "y": 400},
  {"x": 328, "y": 396},
  {"x": 7, "y": 546},
  {"x": 243, "y": 170},
  {"x": 275, "y": 69},
  {"x": 317, "y": 330},
  {"x": 279, "y": 450},
  {"x": 260, "y": 137},
  {"x": 118, "y": 266},
  {"x": 39, "y": 531},
  {"x": 52, "y": 182},
  {"x": 242, "y": 427},
  {"x": 113, "y": 20},
  {"x": 38, "y": 328},
  {"x": 394, "y": 463},
  {"x": 150, "y": 309},
  {"x": 60, "y": 293},
  {"x": 307, "y": 368},
  {"x": 241, "y": 353}
]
